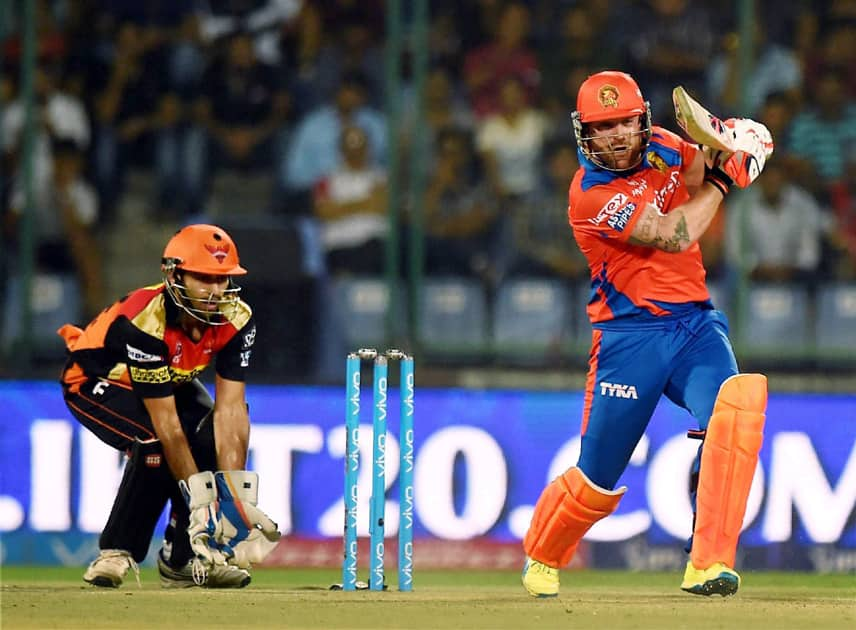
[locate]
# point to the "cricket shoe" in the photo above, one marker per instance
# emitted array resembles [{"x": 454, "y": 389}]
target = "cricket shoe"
[
  {"x": 218, "y": 576},
  {"x": 110, "y": 568},
  {"x": 539, "y": 579},
  {"x": 718, "y": 579}
]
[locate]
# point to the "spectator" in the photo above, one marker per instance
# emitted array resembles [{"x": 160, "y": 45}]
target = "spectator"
[
  {"x": 506, "y": 55},
  {"x": 58, "y": 116},
  {"x": 836, "y": 48},
  {"x": 779, "y": 231},
  {"x": 301, "y": 43},
  {"x": 124, "y": 112},
  {"x": 776, "y": 68},
  {"x": 510, "y": 142},
  {"x": 843, "y": 200},
  {"x": 579, "y": 42},
  {"x": 313, "y": 151},
  {"x": 559, "y": 123},
  {"x": 825, "y": 130},
  {"x": 674, "y": 44},
  {"x": 443, "y": 107},
  {"x": 350, "y": 203},
  {"x": 351, "y": 47},
  {"x": 188, "y": 57},
  {"x": 262, "y": 20},
  {"x": 461, "y": 213},
  {"x": 239, "y": 117},
  {"x": 778, "y": 112},
  {"x": 445, "y": 38},
  {"x": 541, "y": 243},
  {"x": 65, "y": 216}
]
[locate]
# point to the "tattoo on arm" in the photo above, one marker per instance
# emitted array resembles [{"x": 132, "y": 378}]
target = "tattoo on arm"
[
  {"x": 647, "y": 229},
  {"x": 647, "y": 233},
  {"x": 679, "y": 238}
]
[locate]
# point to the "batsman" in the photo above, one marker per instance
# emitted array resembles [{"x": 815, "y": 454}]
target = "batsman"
[
  {"x": 132, "y": 379},
  {"x": 638, "y": 204}
]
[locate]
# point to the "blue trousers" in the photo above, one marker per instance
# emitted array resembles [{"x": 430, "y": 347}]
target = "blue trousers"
[{"x": 685, "y": 357}]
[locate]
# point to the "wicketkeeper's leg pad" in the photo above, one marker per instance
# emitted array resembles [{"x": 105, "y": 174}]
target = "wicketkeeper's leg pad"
[
  {"x": 196, "y": 408},
  {"x": 146, "y": 484},
  {"x": 566, "y": 510},
  {"x": 728, "y": 460}
]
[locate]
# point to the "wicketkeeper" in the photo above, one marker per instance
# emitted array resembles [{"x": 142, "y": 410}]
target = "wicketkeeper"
[
  {"x": 638, "y": 205},
  {"x": 131, "y": 379}
]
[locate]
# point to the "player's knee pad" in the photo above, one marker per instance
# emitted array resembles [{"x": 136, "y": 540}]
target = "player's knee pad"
[
  {"x": 146, "y": 484},
  {"x": 566, "y": 510},
  {"x": 728, "y": 460}
]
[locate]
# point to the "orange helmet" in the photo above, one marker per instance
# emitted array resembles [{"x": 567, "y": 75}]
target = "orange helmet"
[
  {"x": 204, "y": 249},
  {"x": 609, "y": 94}
]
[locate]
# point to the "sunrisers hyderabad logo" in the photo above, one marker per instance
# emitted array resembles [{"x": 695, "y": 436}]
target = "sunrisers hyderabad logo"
[
  {"x": 607, "y": 95},
  {"x": 218, "y": 251},
  {"x": 657, "y": 162}
]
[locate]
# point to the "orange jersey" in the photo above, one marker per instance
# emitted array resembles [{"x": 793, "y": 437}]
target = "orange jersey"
[
  {"x": 138, "y": 343},
  {"x": 630, "y": 280}
]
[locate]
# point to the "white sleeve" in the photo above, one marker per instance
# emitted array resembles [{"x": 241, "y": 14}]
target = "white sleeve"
[
  {"x": 68, "y": 120},
  {"x": 85, "y": 203},
  {"x": 10, "y": 125},
  {"x": 808, "y": 245}
]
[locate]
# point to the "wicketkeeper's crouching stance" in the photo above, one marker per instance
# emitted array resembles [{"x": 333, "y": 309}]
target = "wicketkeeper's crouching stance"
[
  {"x": 131, "y": 380},
  {"x": 638, "y": 205}
]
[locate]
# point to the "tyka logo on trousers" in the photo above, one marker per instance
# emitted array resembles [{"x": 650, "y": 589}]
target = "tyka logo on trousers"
[{"x": 617, "y": 390}]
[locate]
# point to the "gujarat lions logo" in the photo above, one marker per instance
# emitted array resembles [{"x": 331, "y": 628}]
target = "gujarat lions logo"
[
  {"x": 608, "y": 96},
  {"x": 657, "y": 162}
]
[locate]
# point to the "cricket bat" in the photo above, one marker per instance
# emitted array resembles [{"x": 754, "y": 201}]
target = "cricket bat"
[{"x": 699, "y": 124}]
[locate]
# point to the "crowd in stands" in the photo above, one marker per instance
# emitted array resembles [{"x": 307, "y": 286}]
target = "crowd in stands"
[{"x": 294, "y": 89}]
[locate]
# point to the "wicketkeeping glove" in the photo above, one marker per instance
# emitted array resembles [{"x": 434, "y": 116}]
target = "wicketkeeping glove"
[
  {"x": 247, "y": 534},
  {"x": 200, "y": 492}
]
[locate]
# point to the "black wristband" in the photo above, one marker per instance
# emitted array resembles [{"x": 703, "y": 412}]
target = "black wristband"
[{"x": 718, "y": 178}]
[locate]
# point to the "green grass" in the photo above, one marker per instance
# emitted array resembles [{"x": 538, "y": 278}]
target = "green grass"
[{"x": 40, "y": 597}]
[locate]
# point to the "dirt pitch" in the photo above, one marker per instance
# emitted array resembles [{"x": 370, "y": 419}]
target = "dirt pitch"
[{"x": 39, "y": 597}]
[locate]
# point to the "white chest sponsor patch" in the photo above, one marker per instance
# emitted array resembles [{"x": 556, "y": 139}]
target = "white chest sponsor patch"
[
  {"x": 138, "y": 356},
  {"x": 610, "y": 208}
]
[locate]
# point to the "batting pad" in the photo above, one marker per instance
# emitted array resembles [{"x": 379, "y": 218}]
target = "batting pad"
[
  {"x": 566, "y": 510},
  {"x": 728, "y": 460}
]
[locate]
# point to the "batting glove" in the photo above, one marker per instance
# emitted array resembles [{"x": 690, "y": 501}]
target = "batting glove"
[{"x": 753, "y": 144}]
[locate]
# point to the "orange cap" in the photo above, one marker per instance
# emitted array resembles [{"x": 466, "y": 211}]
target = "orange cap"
[
  {"x": 203, "y": 249},
  {"x": 607, "y": 95}
]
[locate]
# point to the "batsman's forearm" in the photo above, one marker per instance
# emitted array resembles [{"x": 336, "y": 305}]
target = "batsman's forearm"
[{"x": 680, "y": 228}]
